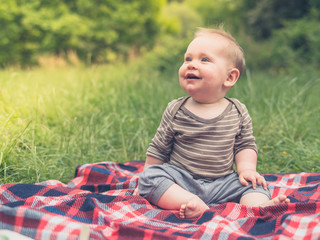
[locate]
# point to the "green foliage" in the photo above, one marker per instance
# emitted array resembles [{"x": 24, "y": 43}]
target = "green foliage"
[
  {"x": 301, "y": 38},
  {"x": 264, "y": 16},
  {"x": 10, "y": 31},
  {"x": 167, "y": 56},
  {"x": 177, "y": 22},
  {"x": 274, "y": 33},
  {"x": 216, "y": 12},
  {"x": 94, "y": 29},
  {"x": 178, "y": 30},
  {"x": 290, "y": 47},
  {"x": 277, "y": 35}
]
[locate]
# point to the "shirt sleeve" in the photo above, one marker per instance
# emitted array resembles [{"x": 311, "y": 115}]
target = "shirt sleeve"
[
  {"x": 161, "y": 145},
  {"x": 245, "y": 139}
]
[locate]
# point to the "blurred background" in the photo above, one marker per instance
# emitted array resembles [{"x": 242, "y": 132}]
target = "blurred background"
[
  {"x": 85, "y": 81},
  {"x": 275, "y": 34}
]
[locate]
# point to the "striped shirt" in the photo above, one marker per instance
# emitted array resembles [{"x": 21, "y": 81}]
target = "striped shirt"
[{"x": 204, "y": 147}]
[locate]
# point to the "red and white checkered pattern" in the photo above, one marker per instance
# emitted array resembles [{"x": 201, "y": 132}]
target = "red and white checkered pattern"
[{"x": 100, "y": 200}]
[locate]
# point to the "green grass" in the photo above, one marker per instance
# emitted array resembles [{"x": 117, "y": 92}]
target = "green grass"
[
  {"x": 286, "y": 117},
  {"x": 53, "y": 120}
]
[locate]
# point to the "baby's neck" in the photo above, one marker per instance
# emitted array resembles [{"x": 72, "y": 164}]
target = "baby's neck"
[{"x": 207, "y": 110}]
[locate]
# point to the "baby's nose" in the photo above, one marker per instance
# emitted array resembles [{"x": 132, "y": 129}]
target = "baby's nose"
[{"x": 192, "y": 65}]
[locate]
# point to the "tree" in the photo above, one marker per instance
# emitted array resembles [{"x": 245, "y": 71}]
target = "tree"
[
  {"x": 264, "y": 16},
  {"x": 91, "y": 28}
]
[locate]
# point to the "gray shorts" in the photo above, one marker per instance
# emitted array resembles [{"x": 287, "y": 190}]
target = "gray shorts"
[{"x": 156, "y": 179}]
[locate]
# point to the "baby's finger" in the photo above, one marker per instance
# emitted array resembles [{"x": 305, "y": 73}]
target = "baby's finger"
[
  {"x": 243, "y": 181},
  {"x": 262, "y": 181},
  {"x": 254, "y": 182}
]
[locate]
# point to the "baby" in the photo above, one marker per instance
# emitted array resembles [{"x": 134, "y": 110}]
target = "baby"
[{"x": 190, "y": 160}]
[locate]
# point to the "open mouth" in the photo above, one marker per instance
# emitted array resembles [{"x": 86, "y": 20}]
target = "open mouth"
[{"x": 192, "y": 76}]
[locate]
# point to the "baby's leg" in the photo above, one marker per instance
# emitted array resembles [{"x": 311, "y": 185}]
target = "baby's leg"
[
  {"x": 177, "y": 198},
  {"x": 256, "y": 199}
]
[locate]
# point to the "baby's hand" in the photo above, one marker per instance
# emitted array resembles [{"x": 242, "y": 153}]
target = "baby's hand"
[{"x": 252, "y": 176}]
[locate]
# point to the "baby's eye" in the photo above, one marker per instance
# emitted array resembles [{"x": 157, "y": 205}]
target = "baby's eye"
[
  {"x": 188, "y": 59},
  {"x": 205, "y": 59}
]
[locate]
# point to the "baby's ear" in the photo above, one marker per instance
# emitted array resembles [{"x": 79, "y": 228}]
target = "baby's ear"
[{"x": 232, "y": 78}]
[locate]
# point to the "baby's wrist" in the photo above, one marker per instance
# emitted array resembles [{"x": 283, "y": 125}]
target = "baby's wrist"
[{"x": 246, "y": 170}]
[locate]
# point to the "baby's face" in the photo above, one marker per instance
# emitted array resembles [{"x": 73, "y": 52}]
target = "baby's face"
[{"x": 205, "y": 68}]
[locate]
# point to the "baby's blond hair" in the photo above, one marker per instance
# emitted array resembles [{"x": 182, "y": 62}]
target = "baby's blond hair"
[{"x": 233, "y": 51}]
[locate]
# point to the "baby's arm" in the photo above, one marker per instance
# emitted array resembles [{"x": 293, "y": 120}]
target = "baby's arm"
[
  {"x": 152, "y": 161},
  {"x": 246, "y": 163},
  {"x": 149, "y": 161}
]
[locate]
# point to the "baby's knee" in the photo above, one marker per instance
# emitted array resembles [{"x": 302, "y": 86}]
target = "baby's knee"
[
  {"x": 152, "y": 181},
  {"x": 147, "y": 178}
]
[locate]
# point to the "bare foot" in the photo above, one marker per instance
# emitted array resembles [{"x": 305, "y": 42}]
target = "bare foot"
[
  {"x": 193, "y": 208},
  {"x": 276, "y": 201}
]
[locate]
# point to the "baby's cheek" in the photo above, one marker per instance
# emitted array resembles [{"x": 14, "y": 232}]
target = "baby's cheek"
[{"x": 182, "y": 70}]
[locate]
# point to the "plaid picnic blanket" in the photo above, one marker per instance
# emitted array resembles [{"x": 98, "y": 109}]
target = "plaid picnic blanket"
[{"x": 99, "y": 199}]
